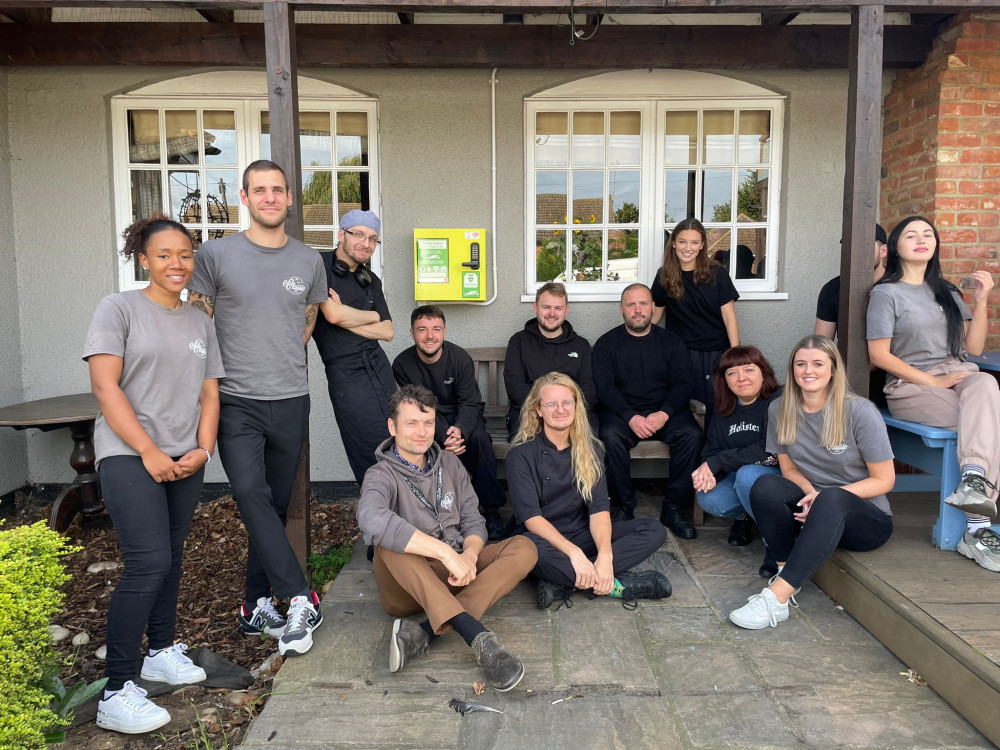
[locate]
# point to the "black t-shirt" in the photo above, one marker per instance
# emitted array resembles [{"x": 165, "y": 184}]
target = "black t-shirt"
[
  {"x": 828, "y": 303},
  {"x": 334, "y": 341},
  {"x": 697, "y": 316},
  {"x": 739, "y": 438}
]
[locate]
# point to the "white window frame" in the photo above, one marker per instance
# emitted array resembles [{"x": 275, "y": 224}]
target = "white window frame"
[
  {"x": 652, "y": 225},
  {"x": 248, "y": 135}
]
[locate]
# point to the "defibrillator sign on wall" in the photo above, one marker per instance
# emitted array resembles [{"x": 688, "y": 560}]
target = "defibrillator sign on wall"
[{"x": 449, "y": 264}]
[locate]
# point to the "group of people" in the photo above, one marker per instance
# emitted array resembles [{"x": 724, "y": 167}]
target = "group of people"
[{"x": 808, "y": 465}]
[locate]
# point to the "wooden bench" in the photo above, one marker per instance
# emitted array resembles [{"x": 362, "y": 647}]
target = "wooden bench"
[
  {"x": 491, "y": 358},
  {"x": 935, "y": 451}
]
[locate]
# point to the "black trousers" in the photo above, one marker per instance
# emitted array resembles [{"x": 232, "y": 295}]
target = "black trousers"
[
  {"x": 481, "y": 464},
  {"x": 683, "y": 436},
  {"x": 360, "y": 386},
  {"x": 703, "y": 366},
  {"x": 152, "y": 521},
  {"x": 260, "y": 443},
  {"x": 631, "y": 543},
  {"x": 838, "y": 518}
]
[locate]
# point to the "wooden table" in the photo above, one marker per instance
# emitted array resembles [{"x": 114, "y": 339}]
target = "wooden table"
[{"x": 77, "y": 412}]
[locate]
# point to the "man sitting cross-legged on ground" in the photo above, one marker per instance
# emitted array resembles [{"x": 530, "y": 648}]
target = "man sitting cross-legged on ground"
[
  {"x": 418, "y": 508},
  {"x": 555, "y": 472}
]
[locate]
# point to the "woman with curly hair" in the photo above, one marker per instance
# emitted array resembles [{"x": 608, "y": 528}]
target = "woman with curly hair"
[{"x": 154, "y": 367}]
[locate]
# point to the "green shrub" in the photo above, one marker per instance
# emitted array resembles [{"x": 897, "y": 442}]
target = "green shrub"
[
  {"x": 30, "y": 577},
  {"x": 325, "y": 567}
]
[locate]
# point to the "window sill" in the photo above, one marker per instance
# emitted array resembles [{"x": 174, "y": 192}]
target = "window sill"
[{"x": 615, "y": 297}]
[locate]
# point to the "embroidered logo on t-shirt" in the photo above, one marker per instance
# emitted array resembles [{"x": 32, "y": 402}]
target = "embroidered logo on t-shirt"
[
  {"x": 743, "y": 427},
  {"x": 449, "y": 381},
  {"x": 838, "y": 449},
  {"x": 295, "y": 285},
  {"x": 448, "y": 500},
  {"x": 198, "y": 347}
]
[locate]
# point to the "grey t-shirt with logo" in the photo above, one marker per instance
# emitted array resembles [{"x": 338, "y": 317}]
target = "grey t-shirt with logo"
[
  {"x": 912, "y": 318},
  {"x": 867, "y": 442},
  {"x": 167, "y": 356},
  {"x": 260, "y": 297}
]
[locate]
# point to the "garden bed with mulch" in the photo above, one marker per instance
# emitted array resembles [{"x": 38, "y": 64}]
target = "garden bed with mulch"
[{"x": 210, "y": 593}]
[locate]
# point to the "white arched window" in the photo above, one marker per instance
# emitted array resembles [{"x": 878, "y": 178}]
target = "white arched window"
[
  {"x": 614, "y": 161},
  {"x": 180, "y": 147}
]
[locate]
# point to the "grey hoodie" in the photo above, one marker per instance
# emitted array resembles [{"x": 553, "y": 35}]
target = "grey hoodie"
[{"x": 389, "y": 512}]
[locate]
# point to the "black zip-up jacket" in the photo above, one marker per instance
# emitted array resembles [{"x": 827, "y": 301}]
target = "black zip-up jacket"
[{"x": 531, "y": 355}]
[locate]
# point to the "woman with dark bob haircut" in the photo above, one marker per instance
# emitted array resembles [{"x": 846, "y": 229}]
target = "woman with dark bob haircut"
[{"x": 735, "y": 455}]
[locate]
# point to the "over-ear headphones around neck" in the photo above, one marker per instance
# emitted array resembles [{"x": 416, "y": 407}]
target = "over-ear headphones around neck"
[{"x": 361, "y": 274}]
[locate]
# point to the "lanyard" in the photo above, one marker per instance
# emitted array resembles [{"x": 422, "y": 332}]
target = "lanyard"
[{"x": 438, "y": 494}]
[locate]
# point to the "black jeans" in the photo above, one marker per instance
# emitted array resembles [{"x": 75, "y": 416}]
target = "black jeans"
[
  {"x": 152, "y": 521},
  {"x": 481, "y": 464},
  {"x": 260, "y": 443},
  {"x": 838, "y": 518},
  {"x": 683, "y": 436}
]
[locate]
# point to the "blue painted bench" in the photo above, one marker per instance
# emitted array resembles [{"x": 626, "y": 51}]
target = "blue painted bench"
[{"x": 934, "y": 450}]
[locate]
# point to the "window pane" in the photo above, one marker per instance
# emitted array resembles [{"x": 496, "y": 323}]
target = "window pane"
[
  {"x": 751, "y": 195},
  {"x": 196, "y": 238},
  {"x": 751, "y": 248},
  {"x": 147, "y": 194},
  {"x": 182, "y": 136},
  {"x": 755, "y": 137},
  {"x": 352, "y": 139},
  {"x": 218, "y": 232},
  {"x": 679, "y": 192},
  {"x": 551, "y": 139},
  {"x": 550, "y": 255},
  {"x": 550, "y": 198},
  {"x": 719, "y": 246},
  {"x": 588, "y": 139},
  {"x": 588, "y": 255},
  {"x": 315, "y": 140},
  {"x": 319, "y": 239},
  {"x": 265, "y": 135},
  {"x": 681, "y": 139},
  {"x": 185, "y": 196},
  {"x": 623, "y": 255},
  {"x": 220, "y": 137},
  {"x": 588, "y": 197},
  {"x": 717, "y": 195},
  {"x": 623, "y": 192},
  {"x": 352, "y": 192},
  {"x": 719, "y": 137},
  {"x": 317, "y": 197},
  {"x": 222, "y": 196},
  {"x": 625, "y": 147},
  {"x": 143, "y": 136}
]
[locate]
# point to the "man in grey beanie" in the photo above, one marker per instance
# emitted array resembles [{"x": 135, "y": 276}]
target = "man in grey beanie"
[{"x": 357, "y": 369}]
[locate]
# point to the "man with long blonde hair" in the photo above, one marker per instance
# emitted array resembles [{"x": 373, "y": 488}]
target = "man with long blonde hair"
[{"x": 555, "y": 474}]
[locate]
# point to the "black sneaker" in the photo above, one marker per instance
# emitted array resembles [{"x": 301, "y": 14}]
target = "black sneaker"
[
  {"x": 408, "y": 640},
  {"x": 620, "y": 513},
  {"x": 499, "y": 666},
  {"x": 549, "y": 592},
  {"x": 494, "y": 525},
  {"x": 672, "y": 517},
  {"x": 263, "y": 619},
  {"x": 304, "y": 616},
  {"x": 741, "y": 532},
  {"x": 649, "y": 584},
  {"x": 768, "y": 568}
]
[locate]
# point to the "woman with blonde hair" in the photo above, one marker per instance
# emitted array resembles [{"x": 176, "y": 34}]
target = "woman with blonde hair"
[
  {"x": 836, "y": 466},
  {"x": 555, "y": 474}
]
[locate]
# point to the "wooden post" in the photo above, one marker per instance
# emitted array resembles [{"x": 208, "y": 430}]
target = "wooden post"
[
  {"x": 283, "y": 109},
  {"x": 861, "y": 187}
]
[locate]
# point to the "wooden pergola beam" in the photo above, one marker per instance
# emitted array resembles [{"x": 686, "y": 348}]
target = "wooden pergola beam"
[
  {"x": 453, "y": 46},
  {"x": 27, "y": 15},
  {"x": 777, "y": 18},
  {"x": 217, "y": 15}
]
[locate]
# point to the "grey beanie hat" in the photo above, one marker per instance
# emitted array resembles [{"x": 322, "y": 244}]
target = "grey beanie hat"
[{"x": 359, "y": 218}]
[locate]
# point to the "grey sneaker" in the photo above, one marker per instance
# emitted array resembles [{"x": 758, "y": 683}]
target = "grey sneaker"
[
  {"x": 499, "y": 666},
  {"x": 304, "y": 616},
  {"x": 263, "y": 619},
  {"x": 761, "y": 610},
  {"x": 983, "y": 547},
  {"x": 408, "y": 640},
  {"x": 971, "y": 496}
]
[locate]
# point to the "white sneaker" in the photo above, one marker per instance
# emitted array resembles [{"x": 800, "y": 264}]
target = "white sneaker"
[
  {"x": 304, "y": 616},
  {"x": 791, "y": 599},
  {"x": 983, "y": 547},
  {"x": 171, "y": 666},
  {"x": 130, "y": 712},
  {"x": 761, "y": 610}
]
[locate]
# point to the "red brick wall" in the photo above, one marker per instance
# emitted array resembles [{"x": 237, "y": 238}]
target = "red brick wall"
[{"x": 941, "y": 150}]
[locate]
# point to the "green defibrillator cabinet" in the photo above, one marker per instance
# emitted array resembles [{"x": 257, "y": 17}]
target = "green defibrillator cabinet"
[{"x": 449, "y": 265}]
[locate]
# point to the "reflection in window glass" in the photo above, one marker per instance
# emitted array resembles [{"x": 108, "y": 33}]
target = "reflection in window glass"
[
  {"x": 314, "y": 139},
  {"x": 681, "y": 138},
  {"x": 718, "y": 127},
  {"x": 623, "y": 255},
  {"x": 588, "y": 197},
  {"x": 319, "y": 239},
  {"x": 719, "y": 246},
  {"x": 551, "y": 139},
  {"x": 182, "y": 136},
  {"x": 679, "y": 192},
  {"x": 317, "y": 197},
  {"x": 352, "y": 192},
  {"x": 265, "y": 136},
  {"x": 143, "y": 136},
  {"x": 623, "y": 192},
  {"x": 352, "y": 139},
  {"x": 220, "y": 137},
  {"x": 755, "y": 137},
  {"x": 588, "y": 255},
  {"x": 588, "y": 139},
  {"x": 147, "y": 193},
  {"x": 222, "y": 197},
  {"x": 751, "y": 254},
  {"x": 751, "y": 195},
  {"x": 550, "y": 198},
  {"x": 625, "y": 145},
  {"x": 717, "y": 195},
  {"x": 185, "y": 196},
  {"x": 550, "y": 255}
]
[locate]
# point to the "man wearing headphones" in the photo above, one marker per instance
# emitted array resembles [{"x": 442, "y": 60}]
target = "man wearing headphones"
[{"x": 357, "y": 370}]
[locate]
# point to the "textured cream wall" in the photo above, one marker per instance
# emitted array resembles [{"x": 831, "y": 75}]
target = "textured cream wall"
[{"x": 435, "y": 166}]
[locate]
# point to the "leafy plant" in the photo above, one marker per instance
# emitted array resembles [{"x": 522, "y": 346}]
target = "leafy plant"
[
  {"x": 325, "y": 567},
  {"x": 64, "y": 701}
]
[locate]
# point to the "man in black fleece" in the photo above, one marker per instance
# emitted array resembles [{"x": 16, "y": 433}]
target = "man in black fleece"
[
  {"x": 547, "y": 344},
  {"x": 447, "y": 371},
  {"x": 643, "y": 377}
]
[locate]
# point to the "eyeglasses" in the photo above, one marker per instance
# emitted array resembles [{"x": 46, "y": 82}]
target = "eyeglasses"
[
  {"x": 362, "y": 237},
  {"x": 567, "y": 405}
]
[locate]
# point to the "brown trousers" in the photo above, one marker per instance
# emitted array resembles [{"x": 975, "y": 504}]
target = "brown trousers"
[
  {"x": 971, "y": 408},
  {"x": 408, "y": 584}
]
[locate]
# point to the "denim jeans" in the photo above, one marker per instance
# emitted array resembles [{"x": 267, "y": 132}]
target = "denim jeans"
[{"x": 731, "y": 496}]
